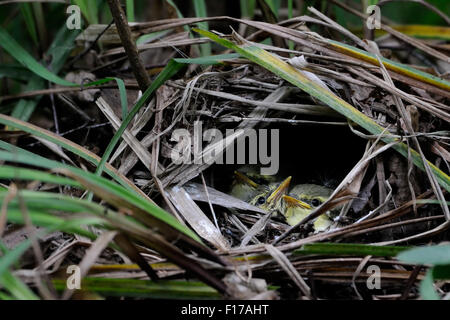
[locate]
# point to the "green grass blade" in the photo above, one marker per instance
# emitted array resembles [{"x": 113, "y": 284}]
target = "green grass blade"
[
  {"x": 427, "y": 291},
  {"x": 25, "y": 107},
  {"x": 14, "y": 72},
  {"x": 247, "y": 8},
  {"x": 164, "y": 289},
  {"x": 44, "y": 219},
  {"x": 12, "y": 256},
  {"x": 106, "y": 187},
  {"x": 434, "y": 255},
  {"x": 59, "y": 50},
  {"x": 15, "y": 50},
  {"x": 22, "y": 56},
  {"x": 274, "y": 6},
  {"x": 200, "y": 12},
  {"x": 171, "y": 69},
  {"x": 61, "y": 47},
  {"x": 4, "y": 296},
  {"x": 391, "y": 65},
  {"x": 89, "y": 9},
  {"x": 40, "y": 23},
  {"x": 62, "y": 142},
  {"x": 441, "y": 272},
  {"x": 130, "y": 10},
  {"x": 123, "y": 97},
  {"x": 350, "y": 249},
  {"x": 209, "y": 60},
  {"x": 16, "y": 287},
  {"x": 12, "y": 284},
  {"x": 10, "y": 172},
  {"x": 149, "y": 37},
  {"x": 27, "y": 14}
]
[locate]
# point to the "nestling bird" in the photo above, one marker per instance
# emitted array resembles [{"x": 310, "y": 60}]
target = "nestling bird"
[
  {"x": 302, "y": 200},
  {"x": 259, "y": 190},
  {"x": 248, "y": 182},
  {"x": 267, "y": 192},
  {"x": 269, "y": 197}
]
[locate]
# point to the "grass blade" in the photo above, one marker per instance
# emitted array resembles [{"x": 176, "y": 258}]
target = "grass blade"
[
  {"x": 9, "y": 172},
  {"x": 390, "y": 65},
  {"x": 427, "y": 291},
  {"x": 171, "y": 69},
  {"x": 15, "y": 50},
  {"x": 350, "y": 249},
  {"x": 27, "y": 14},
  {"x": 434, "y": 255},
  {"x": 163, "y": 289},
  {"x": 200, "y": 11},
  {"x": 130, "y": 10}
]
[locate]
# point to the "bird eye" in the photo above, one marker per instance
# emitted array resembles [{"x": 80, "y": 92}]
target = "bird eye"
[
  {"x": 316, "y": 202},
  {"x": 261, "y": 200}
]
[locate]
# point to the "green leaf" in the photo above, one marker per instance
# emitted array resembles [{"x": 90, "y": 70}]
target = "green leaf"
[
  {"x": 59, "y": 50},
  {"x": 123, "y": 97},
  {"x": 350, "y": 249},
  {"x": 208, "y": 60},
  {"x": 16, "y": 51},
  {"x": 200, "y": 12},
  {"x": 391, "y": 65},
  {"x": 25, "y": 107},
  {"x": 171, "y": 69},
  {"x": 130, "y": 11},
  {"x": 149, "y": 37},
  {"x": 61, "y": 47},
  {"x": 247, "y": 8},
  {"x": 12, "y": 256},
  {"x": 274, "y": 6},
  {"x": 16, "y": 173},
  {"x": 427, "y": 288},
  {"x": 163, "y": 289},
  {"x": 432, "y": 255},
  {"x": 104, "y": 185},
  {"x": 14, "y": 72},
  {"x": 68, "y": 145},
  {"x": 27, "y": 13},
  {"x": 16, "y": 287},
  {"x": 89, "y": 10},
  {"x": 441, "y": 272}
]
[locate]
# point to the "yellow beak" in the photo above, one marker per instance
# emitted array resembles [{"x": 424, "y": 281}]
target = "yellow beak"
[
  {"x": 244, "y": 179},
  {"x": 291, "y": 202},
  {"x": 296, "y": 210},
  {"x": 280, "y": 191}
]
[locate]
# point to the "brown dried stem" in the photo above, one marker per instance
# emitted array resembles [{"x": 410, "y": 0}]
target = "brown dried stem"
[{"x": 128, "y": 43}]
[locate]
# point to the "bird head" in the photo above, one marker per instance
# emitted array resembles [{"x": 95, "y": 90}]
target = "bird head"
[
  {"x": 269, "y": 196},
  {"x": 304, "y": 199},
  {"x": 248, "y": 183}
]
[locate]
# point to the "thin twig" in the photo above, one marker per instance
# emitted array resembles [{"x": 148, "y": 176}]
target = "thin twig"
[{"x": 128, "y": 43}]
